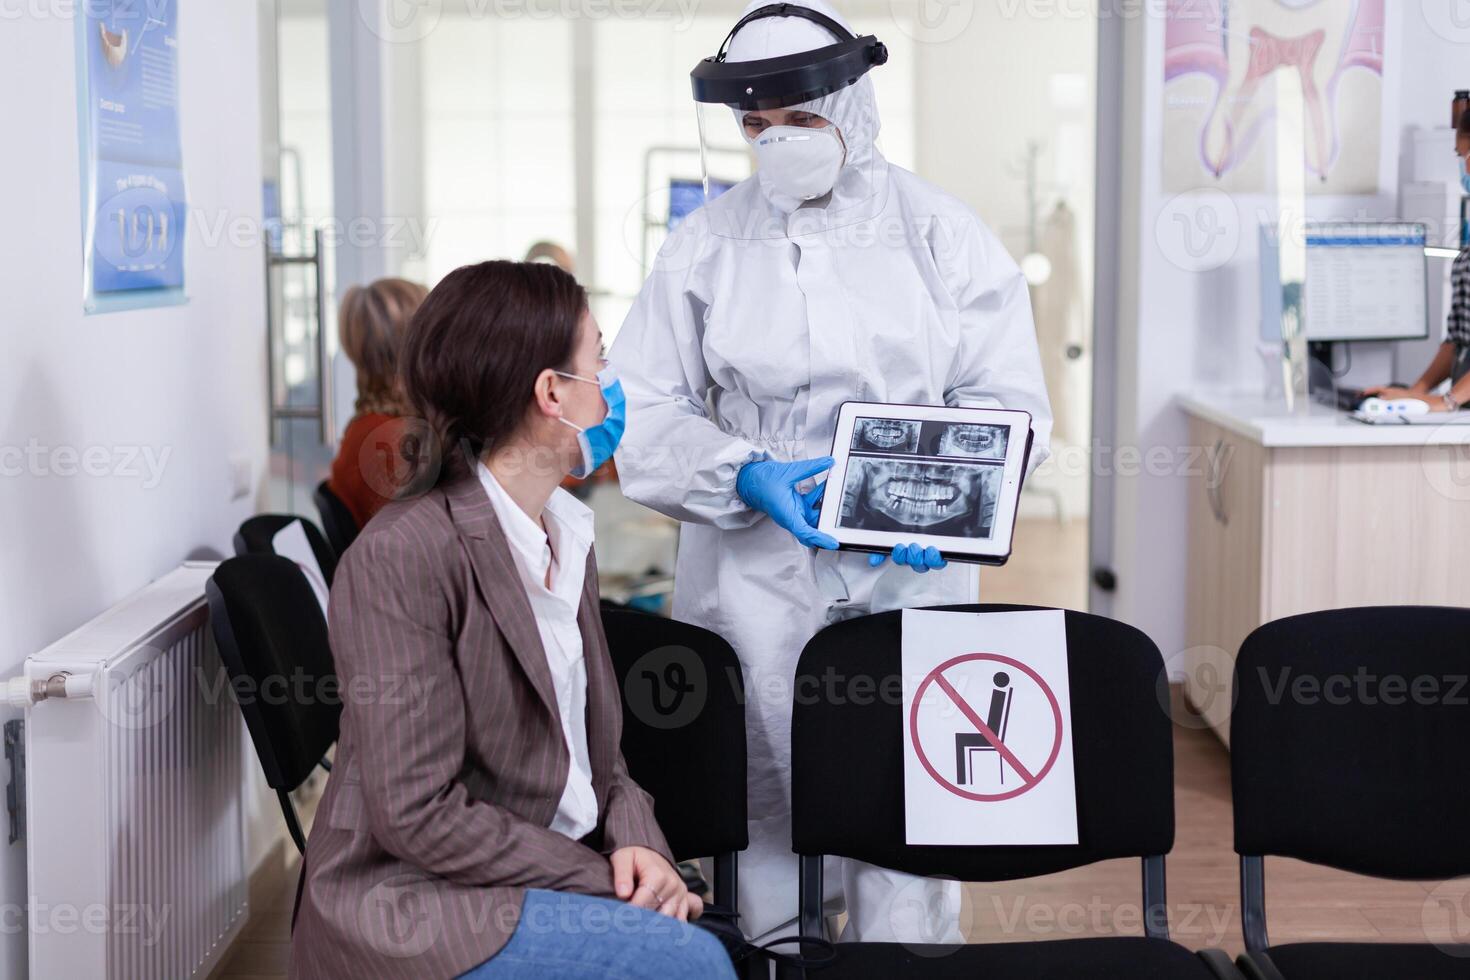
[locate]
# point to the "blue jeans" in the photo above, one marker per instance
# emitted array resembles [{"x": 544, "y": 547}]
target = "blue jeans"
[{"x": 564, "y": 935}]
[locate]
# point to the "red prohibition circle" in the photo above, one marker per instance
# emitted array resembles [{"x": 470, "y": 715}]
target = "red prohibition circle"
[{"x": 1056, "y": 711}]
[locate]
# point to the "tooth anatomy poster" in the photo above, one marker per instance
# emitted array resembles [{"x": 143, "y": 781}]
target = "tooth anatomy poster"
[
  {"x": 133, "y": 203},
  {"x": 1222, "y": 65}
]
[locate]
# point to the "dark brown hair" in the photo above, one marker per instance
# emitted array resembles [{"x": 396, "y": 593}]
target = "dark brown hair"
[
  {"x": 370, "y": 325},
  {"x": 475, "y": 347}
]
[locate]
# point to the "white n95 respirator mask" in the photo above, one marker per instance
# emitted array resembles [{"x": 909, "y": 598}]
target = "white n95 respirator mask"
[{"x": 798, "y": 161}]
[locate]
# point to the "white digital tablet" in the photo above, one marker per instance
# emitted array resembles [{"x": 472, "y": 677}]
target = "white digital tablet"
[{"x": 943, "y": 477}]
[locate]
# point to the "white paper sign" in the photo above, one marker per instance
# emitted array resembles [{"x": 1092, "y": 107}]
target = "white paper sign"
[
  {"x": 290, "y": 542},
  {"x": 987, "y": 729}
]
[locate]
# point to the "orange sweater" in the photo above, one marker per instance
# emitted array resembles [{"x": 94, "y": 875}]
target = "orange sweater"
[{"x": 368, "y": 469}]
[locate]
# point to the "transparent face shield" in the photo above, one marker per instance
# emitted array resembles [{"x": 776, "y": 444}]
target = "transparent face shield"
[
  {"x": 804, "y": 122},
  {"x": 735, "y": 143},
  {"x": 725, "y": 157}
]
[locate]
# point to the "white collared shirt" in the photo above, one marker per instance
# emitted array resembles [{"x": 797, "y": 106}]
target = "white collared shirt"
[{"x": 570, "y": 526}]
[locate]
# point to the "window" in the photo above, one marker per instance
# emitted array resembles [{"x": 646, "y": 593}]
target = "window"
[{"x": 497, "y": 133}]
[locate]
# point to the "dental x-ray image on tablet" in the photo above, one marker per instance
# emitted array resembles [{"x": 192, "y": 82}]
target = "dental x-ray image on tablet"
[
  {"x": 962, "y": 439},
  {"x": 918, "y": 496},
  {"x": 934, "y": 475},
  {"x": 885, "y": 436}
]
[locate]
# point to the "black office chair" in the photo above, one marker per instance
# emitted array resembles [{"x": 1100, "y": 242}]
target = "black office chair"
[
  {"x": 337, "y": 520},
  {"x": 684, "y": 735},
  {"x": 1335, "y": 759},
  {"x": 272, "y": 639},
  {"x": 847, "y": 785},
  {"x": 257, "y": 536}
]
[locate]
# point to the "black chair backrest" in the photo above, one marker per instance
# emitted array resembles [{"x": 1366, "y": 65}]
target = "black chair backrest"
[
  {"x": 272, "y": 639},
  {"x": 683, "y": 728},
  {"x": 337, "y": 520},
  {"x": 1346, "y": 741},
  {"x": 847, "y": 752},
  {"x": 257, "y": 535}
]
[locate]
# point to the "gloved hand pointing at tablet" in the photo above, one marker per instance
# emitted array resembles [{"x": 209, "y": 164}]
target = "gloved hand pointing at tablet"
[
  {"x": 769, "y": 486},
  {"x": 913, "y": 556}
]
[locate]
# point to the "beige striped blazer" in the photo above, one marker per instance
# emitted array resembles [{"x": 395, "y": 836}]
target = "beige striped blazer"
[{"x": 451, "y": 760}]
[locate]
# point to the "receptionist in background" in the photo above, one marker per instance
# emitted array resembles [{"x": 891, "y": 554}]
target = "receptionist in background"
[{"x": 1452, "y": 360}]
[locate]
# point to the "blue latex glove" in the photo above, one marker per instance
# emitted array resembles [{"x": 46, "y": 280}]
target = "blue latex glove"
[
  {"x": 771, "y": 487},
  {"x": 919, "y": 559},
  {"x": 811, "y": 503},
  {"x": 915, "y": 557}
]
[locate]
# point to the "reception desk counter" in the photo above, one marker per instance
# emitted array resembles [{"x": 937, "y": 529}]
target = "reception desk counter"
[{"x": 1295, "y": 512}]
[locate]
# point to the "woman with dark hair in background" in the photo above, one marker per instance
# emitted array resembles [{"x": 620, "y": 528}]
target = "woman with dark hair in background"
[
  {"x": 479, "y": 819},
  {"x": 1452, "y": 360},
  {"x": 371, "y": 322}
]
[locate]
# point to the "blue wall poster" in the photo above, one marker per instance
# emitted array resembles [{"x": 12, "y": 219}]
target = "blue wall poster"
[{"x": 133, "y": 203}]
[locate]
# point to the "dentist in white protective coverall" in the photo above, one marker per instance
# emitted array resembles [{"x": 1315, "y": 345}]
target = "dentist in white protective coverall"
[{"x": 829, "y": 276}]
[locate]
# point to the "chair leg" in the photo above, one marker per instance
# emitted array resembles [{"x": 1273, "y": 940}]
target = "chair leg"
[
  {"x": 300, "y": 887},
  {"x": 725, "y": 888},
  {"x": 292, "y": 823},
  {"x": 1257, "y": 966}
]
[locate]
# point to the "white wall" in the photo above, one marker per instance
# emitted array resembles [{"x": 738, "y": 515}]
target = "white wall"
[
  {"x": 1184, "y": 328},
  {"x": 984, "y": 90},
  {"x": 184, "y": 383},
  {"x": 993, "y": 79}
]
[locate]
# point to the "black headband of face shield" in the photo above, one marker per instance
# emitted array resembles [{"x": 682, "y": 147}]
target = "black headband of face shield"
[{"x": 771, "y": 83}]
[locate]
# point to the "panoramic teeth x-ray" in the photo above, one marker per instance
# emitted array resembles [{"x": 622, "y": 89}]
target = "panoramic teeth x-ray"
[
  {"x": 915, "y": 475},
  {"x": 940, "y": 498},
  {"x": 961, "y": 439},
  {"x": 885, "y": 436}
]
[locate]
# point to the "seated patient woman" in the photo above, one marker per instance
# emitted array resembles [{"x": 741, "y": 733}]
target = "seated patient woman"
[
  {"x": 369, "y": 470},
  {"x": 479, "y": 820}
]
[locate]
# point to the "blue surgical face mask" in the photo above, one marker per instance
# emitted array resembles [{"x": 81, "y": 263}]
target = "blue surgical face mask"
[
  {"x": 599, "y": 442},
  {"x": 1464, "y": 175}
]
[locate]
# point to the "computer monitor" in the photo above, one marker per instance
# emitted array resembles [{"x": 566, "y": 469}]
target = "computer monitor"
[
  {"x": 687, "y": 195},
  {"x": 1365, "y": 281}
]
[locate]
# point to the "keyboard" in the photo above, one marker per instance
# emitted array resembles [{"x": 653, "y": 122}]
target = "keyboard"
[{"x": 1346, "y": 399}]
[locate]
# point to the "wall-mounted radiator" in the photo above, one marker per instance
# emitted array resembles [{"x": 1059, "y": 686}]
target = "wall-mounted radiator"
[{"x": 134, "y": 821}]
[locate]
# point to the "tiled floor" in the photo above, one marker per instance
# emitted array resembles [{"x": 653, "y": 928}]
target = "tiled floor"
[{"x": 264, "y": 948}]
